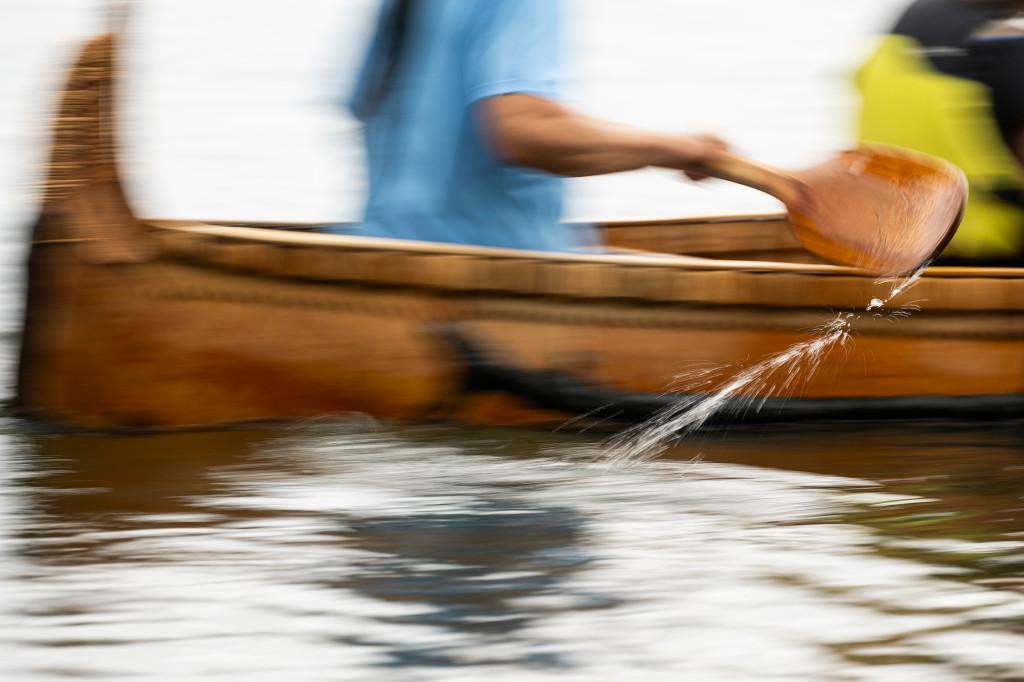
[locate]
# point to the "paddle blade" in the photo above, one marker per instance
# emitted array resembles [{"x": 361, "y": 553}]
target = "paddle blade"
[{"x": 882, "y": 209}]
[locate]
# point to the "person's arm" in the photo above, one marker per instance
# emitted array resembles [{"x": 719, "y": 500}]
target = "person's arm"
[{"x": 531, "y": 131}]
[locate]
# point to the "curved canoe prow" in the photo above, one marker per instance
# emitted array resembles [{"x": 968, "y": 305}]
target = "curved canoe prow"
[
  {"x": 143, "y": 324},
  {"x": 83, "y": 201}
]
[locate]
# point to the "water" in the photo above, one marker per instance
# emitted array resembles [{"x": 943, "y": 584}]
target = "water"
[
  {"x": 355, "y": 550},
  {"x": 777, "y": 375}
]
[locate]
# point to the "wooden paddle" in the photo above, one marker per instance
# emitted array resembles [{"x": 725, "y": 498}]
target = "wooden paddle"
[{"x": 882, "y": 209}]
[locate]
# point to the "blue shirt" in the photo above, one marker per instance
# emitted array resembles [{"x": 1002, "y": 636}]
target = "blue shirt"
[{"x": 430, "y": 176}]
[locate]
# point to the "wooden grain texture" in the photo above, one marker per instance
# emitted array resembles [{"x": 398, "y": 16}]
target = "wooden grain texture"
[{"x": 883, "y": 209}]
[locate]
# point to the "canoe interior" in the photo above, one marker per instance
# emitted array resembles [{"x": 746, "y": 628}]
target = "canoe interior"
[{"x": 759, "y": 237}]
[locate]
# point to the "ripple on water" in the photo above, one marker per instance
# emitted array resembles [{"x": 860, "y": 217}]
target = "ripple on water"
[{"x": 339, "y": 552}]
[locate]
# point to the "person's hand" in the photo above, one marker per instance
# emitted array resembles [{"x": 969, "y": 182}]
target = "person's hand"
[{"x": 696, "y": 150}]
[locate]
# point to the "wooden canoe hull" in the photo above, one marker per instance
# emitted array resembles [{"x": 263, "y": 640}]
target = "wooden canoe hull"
[
  {"x": 167, "y": 324},
  {"x": 180, "y": 342}
]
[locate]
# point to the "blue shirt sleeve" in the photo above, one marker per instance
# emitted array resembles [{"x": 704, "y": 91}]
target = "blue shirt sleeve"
[{"x": 516, "y": 47}]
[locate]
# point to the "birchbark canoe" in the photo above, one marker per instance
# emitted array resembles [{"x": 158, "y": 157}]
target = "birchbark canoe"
[{"x": 160, "y": 324}]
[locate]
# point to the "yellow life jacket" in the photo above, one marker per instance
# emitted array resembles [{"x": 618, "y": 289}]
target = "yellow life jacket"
[{"x": 908, "y": 103}]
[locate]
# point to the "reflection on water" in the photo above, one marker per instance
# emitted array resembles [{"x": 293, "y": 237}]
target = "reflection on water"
[{"x": 351, "y": 551}]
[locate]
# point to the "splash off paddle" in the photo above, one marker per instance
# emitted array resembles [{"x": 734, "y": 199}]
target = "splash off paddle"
[{"x": 882, "y": 209}]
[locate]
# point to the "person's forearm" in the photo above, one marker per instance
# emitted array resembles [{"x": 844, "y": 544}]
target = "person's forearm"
[{"x": 537, "y": 133}]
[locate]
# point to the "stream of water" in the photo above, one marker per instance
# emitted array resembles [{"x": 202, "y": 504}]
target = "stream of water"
[{"x": 779, "y": 375}]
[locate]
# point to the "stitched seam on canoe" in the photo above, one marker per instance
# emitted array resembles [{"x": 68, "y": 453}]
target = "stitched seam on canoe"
[
  {"x": 460, "y": 273},
  {"x": 437, "y": 308},
  {"x": 600, "y": 282}
]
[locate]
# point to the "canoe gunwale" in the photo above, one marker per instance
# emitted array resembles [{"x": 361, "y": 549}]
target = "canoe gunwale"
[{"x": 354, "y": 243}]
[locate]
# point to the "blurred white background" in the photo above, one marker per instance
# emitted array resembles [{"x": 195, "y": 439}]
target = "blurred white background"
[{"x": 230, "y": 106}]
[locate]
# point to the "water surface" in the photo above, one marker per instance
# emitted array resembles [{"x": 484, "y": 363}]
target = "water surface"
[{"x": 336, "y": 550}]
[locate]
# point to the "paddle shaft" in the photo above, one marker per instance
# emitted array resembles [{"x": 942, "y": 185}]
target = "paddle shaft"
[{"x": 741, "y": 170}]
